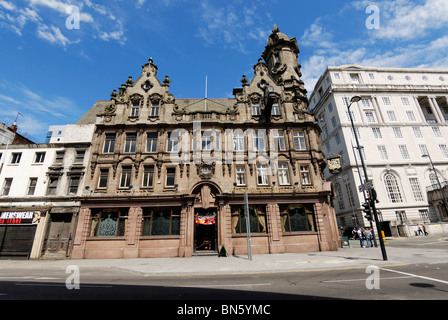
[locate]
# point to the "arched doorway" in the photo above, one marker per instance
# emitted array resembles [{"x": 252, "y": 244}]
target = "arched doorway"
[{"x": 205, "y": 212}]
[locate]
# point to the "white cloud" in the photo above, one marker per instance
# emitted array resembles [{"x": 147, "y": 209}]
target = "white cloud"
[
  {"x": 401, "y": 22},
  {"x": 53, "y": 35},
  {"x": 49, "y": 17}
]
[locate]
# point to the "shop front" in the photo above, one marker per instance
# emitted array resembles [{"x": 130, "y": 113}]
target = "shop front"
[
  {"x": 203, "y": 222},
  {"x": 17, "y": 232}
]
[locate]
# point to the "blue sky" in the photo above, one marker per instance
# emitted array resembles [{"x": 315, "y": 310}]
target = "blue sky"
[{"x": 52, "y": 74}]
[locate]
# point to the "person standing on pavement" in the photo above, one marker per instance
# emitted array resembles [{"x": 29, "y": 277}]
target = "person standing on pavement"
[
  {"x": 361, "y": 237},
  {"x": 424, "y": 230},
  {"x": 368, "y": 236}
]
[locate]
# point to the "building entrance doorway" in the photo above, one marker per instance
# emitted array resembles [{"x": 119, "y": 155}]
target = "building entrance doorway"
[{"x": 205, "y": 231}]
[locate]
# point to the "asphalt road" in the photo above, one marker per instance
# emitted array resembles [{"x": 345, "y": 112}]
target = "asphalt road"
[{"x": 424, "y": 281}]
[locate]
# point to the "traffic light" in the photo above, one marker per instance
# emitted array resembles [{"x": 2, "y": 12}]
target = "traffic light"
[{"x": 367, "y": 211}]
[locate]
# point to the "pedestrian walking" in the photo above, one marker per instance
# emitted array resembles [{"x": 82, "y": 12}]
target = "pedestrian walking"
[
  {"x": 419, "y": 230},
  {"x": 424, "y": 230},
  {"x": 361, "y": 237}
]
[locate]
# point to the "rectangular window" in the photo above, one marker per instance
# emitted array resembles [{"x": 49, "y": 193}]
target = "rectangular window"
[
  {"x": 206, "y": 142},
  {"x": 170, "y": 177},
  {"x": 148, "y": 176},
  {"x": 161, "y": 221},
  {"x": 437, "y": 132},
  {"x": 135, "y": 109},
  {"x": 125, "y": 181},
  {"x": 74, "y": 184},
  {"x": 259, "y": 141},
  {"x": 257, "y": 219},
  {"x": 417, "y": 132},
  {"x": 80, "y": 156},
  {"x": 104, "y": 175},
  {"x": 410, "y": 115},
  {"x": 275, "y": 111},
  {"x": 155, "y": 109},
  {"x": 305, "y": 175},
  {"x": 262, "y": 174},
  {"x": 40, "y": 157},
  {"x": 365, "y": 103},
  {"x": 383, "y": 152},
  {"x": 59, "y": 156},
  {"x": 444, "y": 150},
  {"x": 354, "y": 77},
  {"x": 405, "y": 101},
  {"x": 299, "y": 140},
  {"x": 109, "y": 222},
  {"x": 256, "y": 109},
  {"x": 7, "y": 186},
  {"x": 297, "y": 217},
  {"x": 240, "y": 176},
  {"x": 391, "y": 116},
  {"x": 370, "y": 116},
  {"x": 52, "y": 185},
  {"x": 423, "y": 149},
  {"x": 404, "y": 151},
  {"x": 238, "y": 141},
  {"x": 32, "y": 186},
  {"x": 416, "y": 190},
  {"x": 283, "y": 174},
  {"x": 397, "y": 132},
  {"x": 386, "y": 101},
  {"x": 109, "y": 143},
  {"x": 377, "y": 133},
  {"x": 130, "y": 143},
  {"x": 279, "y": 140},
  {"x": 173, "y": 143},
  {"x": 151, "y": 142},
  {"x": 15, "y": 157}
]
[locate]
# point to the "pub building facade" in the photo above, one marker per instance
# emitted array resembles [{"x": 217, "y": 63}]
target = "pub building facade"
[{"x": 167, "y": 177}]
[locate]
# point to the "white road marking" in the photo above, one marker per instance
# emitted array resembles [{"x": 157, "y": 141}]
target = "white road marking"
[
  {"x": 227, "y": 285},
  {"x": 415, "y": 275},
  {"x": 349, "y": 280}
]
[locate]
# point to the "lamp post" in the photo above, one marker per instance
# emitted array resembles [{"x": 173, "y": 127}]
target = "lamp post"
[
  {"x": 438, "y": 181},
  {"x": 371, "y": 190}
]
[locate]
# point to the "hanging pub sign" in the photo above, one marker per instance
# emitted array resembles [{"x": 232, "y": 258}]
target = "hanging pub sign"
[
  {"x": 16, "y": 217},
  {"x": 334, "y": 165},
  {"x": 205, "y": 220}
]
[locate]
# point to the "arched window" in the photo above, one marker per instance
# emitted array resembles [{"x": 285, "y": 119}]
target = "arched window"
[{"x": 392, "y": 188}]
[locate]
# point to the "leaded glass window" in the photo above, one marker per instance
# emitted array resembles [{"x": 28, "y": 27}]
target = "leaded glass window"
[
  {"x": 161, "y": 221},
  {"x": 109, "y": 223}
]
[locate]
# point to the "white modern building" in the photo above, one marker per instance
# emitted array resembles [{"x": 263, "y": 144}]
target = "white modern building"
[
  {"x": 40, "y": 186},
  {"x": 402, "y": 116}
]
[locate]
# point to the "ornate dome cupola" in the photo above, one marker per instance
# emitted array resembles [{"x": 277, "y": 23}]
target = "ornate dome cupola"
[{"x": 280, "y": 55}]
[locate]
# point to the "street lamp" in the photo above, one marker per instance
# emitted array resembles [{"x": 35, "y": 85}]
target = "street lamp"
[
  {"x": 438, "y": 181},
  {"x": 371, "y": 190}
]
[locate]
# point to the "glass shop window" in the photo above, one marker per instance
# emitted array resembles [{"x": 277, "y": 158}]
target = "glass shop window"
[
  {"x": 297, "y": 217},
  {"x": 257, "y": 219},
  {"x": 109, "y": 222},
  {"x": 161, "y": 221}
]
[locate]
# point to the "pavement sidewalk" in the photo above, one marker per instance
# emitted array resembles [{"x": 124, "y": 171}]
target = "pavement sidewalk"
[{"x": 287, "y": 262}]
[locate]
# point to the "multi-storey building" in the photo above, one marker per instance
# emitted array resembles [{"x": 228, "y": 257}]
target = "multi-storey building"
[
  {"x": 40, "y": 189},
  {"x": 402, "y": 116},
  {"x": 168, "y": 177}
]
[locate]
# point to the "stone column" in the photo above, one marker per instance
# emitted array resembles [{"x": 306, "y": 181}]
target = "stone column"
[
  {"x": 81, "y": 234},
  {"x": 133, "y": 232},
  {"x": 274, "y": 228}
]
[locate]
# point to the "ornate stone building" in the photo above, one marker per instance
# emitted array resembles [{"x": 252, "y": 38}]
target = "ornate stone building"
[{"x": 168, "y": 177}]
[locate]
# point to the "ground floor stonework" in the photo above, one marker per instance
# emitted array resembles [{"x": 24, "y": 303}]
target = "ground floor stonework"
[{"x": 204, "y": 222}]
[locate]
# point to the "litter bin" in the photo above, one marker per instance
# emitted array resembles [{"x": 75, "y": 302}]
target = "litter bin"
[{"x": 345, "y": 242}]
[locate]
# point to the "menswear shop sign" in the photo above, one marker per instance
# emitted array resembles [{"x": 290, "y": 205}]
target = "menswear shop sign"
[{"x": 16, "y": 217}]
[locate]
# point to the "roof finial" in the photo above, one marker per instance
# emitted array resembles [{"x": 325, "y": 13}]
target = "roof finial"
[{"x": 275, "y": 29}]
